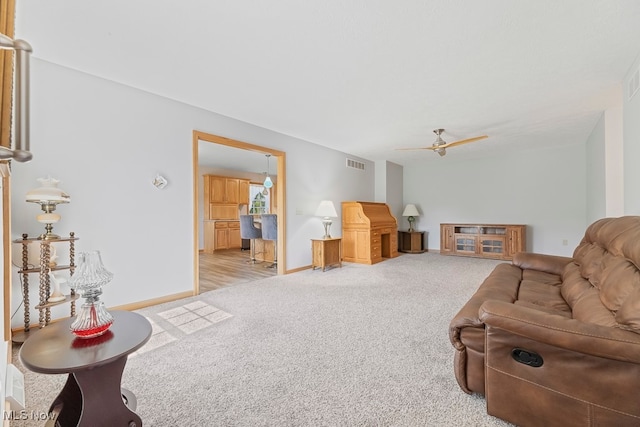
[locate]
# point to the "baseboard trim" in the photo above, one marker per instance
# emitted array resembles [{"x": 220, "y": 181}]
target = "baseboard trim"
[
  {"x": 154, "y": 301},
  {"x": 295, "y": 270}
]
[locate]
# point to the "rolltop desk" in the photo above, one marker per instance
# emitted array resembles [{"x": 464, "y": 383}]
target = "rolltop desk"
[{"x": 369, "y": 232}]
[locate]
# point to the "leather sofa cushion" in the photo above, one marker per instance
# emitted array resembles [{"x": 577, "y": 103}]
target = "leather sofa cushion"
[
  {"x": 574, "y": 285},
  {"x": 602, "y": 285},
  {"x": 544, "y": 278},
  {"x": 589, "y": 257},
  {"x": 589, "y": 308},
  {"x": 618, "y": 279},
  {"x": 543, "y": 295},
  {"x": 584, "y": 299},
  {"x": 627, "y": 316}
]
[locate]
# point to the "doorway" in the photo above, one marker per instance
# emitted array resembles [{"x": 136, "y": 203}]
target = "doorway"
[{"x": 280, "y": 194}]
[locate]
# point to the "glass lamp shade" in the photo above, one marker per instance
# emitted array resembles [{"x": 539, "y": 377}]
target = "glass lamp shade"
[
  {"x": 267, "y": 181},
  {"x": 48, "y": 196},
  {"x": 88, "y": 279},
  {"x": 47, "y": 193}
]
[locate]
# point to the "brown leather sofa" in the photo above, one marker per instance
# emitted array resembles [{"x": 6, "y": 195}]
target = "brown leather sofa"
[{"x": 555, "y": 341}]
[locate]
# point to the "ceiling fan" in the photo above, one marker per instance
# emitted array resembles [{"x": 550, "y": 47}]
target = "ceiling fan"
[{"x": 440, "y": 146}]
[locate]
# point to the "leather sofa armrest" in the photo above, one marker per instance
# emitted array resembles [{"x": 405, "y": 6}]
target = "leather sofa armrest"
[
  {"x": 553, "y": 264},
  {"x": 562, "y": 332},
  {"x": 467, "y": 317},
  {"x": 502, "y": 285}
]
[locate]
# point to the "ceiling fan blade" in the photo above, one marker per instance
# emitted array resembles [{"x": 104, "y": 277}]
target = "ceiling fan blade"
[
  {"x": 464, "y": 141},
  {"x": 416, "y": 148}
]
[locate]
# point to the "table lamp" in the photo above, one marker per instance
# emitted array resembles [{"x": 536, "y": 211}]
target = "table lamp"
[
  {"x": 48, "y": 196},
  {"x": 327, "y": 211},
  {"x": 410, "y": 211},
  {"x": 88, "y": 279}
]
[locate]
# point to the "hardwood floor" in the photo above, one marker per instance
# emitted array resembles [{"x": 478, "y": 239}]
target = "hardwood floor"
[{"x": 229, "y": 267}]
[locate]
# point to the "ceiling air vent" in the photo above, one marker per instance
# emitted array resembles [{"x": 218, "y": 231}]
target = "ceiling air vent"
[
  {"x": 354, "y": 164},
  {"x": 634, "y": 84}
]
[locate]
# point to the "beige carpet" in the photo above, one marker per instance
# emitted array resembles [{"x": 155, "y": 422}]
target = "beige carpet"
[{"x": 356, "y": 346}]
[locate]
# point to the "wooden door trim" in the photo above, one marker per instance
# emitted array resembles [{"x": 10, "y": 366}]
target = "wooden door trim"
[{"x": 280, "y": 195}]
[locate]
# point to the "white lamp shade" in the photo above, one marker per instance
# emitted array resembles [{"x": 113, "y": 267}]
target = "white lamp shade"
[
  {"x": 410, "y": 210},
  {"x": 48, "y": 192},
  {"x": 267, "y": 182},
  {"x": 326, "y": 209}
]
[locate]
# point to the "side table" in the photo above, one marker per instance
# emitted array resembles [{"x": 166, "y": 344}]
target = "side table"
[
  {"x": 92, "y": 395},
  {"x": 411, "y": 242},
  {"x": 326, "y": 252}
]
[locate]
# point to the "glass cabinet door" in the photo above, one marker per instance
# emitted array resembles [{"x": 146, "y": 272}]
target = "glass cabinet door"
[
  {"x": 466, "y": 244},
  {"x": 492, "y": 245}
]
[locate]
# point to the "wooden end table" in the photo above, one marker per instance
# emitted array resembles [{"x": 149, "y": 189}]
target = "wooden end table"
[
  {"x": 326, "y": 252},
  {"x": 411, "y": 242},
  {"x": 92, "y": 395}
]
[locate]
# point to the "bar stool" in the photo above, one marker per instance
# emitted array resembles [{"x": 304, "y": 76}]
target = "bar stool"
[
  {"x": 270, "y": 232},
  {"x": 248, "y": 230}
]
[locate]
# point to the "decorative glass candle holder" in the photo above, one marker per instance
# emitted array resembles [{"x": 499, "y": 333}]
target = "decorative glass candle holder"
[{"x": 88, "y": 279}]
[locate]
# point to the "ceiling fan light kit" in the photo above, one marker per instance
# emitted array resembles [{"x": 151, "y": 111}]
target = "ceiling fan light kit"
[{"x": 440, "y": 146}]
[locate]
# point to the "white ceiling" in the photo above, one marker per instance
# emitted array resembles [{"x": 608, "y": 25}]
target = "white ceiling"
[
  {"x": 225, "y": 157},
  {"x": 360, "y": 76}
]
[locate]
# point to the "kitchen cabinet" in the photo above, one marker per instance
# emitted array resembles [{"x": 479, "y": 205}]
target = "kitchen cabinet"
[
  {"x": 221, "y": 235},
  {"x": 223, "y": 196},
  {"x": 243, "y": 191}
]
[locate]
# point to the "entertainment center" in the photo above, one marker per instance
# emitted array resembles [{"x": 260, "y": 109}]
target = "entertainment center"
[{"x": 497, "y": 241}]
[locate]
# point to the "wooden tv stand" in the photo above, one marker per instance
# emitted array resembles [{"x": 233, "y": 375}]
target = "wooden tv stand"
[{"x": 497, "y": 241}]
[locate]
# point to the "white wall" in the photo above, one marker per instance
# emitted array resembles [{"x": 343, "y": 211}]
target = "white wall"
[
  {"x": 388, "y": 179},
  {"x": 541, "y": 188},
  {"x": 106, "y": 142},
  {"x": 631, "y": 114},
  {"x": 605, "y": 163},
  {"x": 596, "y": 173},
  {"x": 614, "y": 154}
]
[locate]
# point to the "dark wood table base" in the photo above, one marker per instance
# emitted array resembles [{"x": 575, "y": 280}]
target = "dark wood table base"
[{"x": 90, "y": 397}]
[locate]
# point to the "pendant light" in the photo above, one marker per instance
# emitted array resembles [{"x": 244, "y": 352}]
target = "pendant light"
[{"x": 267, "y": 181}]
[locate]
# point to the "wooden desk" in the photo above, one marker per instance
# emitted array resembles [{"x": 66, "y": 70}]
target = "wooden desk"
[
  {"x": 411, "y": 242},
  {"x": 92, "y": 395},
  {"x": 369, "y": 232},
  {"x": 326, "y": 252}
]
